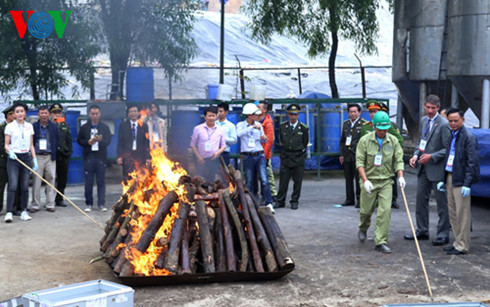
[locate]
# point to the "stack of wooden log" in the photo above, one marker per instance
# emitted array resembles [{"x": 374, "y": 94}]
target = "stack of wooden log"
[{"x": 215, "y": 230}]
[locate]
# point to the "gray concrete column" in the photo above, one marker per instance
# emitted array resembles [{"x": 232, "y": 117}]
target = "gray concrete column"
[{"x": 422, "y": 96}]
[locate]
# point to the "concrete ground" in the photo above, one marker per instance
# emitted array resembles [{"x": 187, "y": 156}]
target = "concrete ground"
[{"x": 332, "y": 267}]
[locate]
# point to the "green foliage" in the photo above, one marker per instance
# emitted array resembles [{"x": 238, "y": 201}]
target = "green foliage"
[
  {"x": 312, "y": 21},
  {"x": 148, "y": 31},
  {"x": 37, "y": 66}
]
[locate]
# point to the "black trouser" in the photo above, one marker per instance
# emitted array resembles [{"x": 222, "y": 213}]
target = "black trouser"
[
  {"x": 351, "y": 178},
  {"x": 61, "y": 176},
  {"x": 18, "y": 179},
  {"x": 288, "y": 169},
  {"x": 3, "y": 182}
]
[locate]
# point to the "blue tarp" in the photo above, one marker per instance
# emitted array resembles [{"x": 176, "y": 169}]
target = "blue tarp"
[
  {"x": 482, "y": 189},
  {"x": 312, "y": 95}
]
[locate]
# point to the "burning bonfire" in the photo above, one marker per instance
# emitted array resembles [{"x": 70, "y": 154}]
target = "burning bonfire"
[{"x": 167, "y": 223}]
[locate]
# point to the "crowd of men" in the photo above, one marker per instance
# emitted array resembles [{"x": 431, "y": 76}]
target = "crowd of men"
[
  {"x": 446, "y": 161},
  {"x": 371, "y": 152}
]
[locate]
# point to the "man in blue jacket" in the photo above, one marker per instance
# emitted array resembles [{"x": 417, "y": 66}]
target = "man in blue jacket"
[
  {"x": 462, "y": 168},
  {"x": 46, "y": 137}
]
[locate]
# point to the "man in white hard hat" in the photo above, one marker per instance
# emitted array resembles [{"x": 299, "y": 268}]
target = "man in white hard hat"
[{"x": 251, "y": 136}]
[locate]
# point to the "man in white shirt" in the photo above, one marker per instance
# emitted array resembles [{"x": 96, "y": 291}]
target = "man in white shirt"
[{"x": 229, "y": 129}]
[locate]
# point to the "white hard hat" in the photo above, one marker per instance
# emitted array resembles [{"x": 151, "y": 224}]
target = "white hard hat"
[{"x": 250, "y": 109}]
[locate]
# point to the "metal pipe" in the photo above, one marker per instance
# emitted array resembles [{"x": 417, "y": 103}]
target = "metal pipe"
[
  {"x": 363, "y": 77},
  {"x": 308, "y": 147},
  {"x": 454, "y": 97},
  {"x": 485, "y": 105},
  {"x": 399, "y": 112},
  {"x": 422, "y": 95},
  {"x": 222, "y": 45},
  {"x": 299, "y": 82}
]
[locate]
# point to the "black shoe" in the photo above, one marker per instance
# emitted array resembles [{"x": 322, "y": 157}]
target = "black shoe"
[
  {"x": 279, "y": 205},
  {"x": 274, "y": 199},
  {"x": 419, "y": 237},
  {"x": 440, "y": 241},
  {"x": 383, "y": 248},
  {"x": 294, "y": 206},
  {"x": 448, "y": 248},
  {"x": 62, "y": 204},
  {"x": 455, "y": 252},
  {"x": 346, "y": 204},
  {"x": 357, "y": 205},
  {"x": 395, "y": 205}
]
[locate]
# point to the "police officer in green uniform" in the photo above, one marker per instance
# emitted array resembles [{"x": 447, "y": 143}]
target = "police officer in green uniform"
[
  {"x": 64, "y": 151},
  {"x": 378, "y": 156},
  {"x": 351, "y": 133},
  {"x": 294, "y": 138},
  {"x": 373, "y": 107}
]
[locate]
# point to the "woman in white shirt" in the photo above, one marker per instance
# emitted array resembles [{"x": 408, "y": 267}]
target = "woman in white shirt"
[{"x": 19, "y": 136}]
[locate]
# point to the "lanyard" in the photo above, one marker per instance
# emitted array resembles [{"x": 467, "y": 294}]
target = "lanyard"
[
  {"x": 21, "y": 128},
  {"x": 427, "y": 128},
  {"x": 210, "y": 135},
  {"x": 43, "y": 134}
]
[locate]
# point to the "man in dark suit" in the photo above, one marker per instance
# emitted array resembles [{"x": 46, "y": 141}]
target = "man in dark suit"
[
  {"x": 429, "y": 160},
  {"x": 351, "y": 133},
  {"x": 133, "y": 145}
]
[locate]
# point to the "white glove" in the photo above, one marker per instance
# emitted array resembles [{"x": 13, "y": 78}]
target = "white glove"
[
  {"x": 12, "y": 155},
  {"x": 368, "y": 186},
  {"x": 441, "y": 186},
  {"x": 401, "y": 182}
]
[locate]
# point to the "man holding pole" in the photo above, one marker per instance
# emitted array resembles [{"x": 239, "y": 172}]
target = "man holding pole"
[{"x": 378, "y": 156}]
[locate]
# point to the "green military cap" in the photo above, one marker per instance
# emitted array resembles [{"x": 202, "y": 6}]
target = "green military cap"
[
  {"x": 8, "y": 110},
  {"x": 293, "y": 108},
  {"x": 55, "y": 107},
  {"x": 373, "y": 104},
  {"x": 384, "y": 107}
]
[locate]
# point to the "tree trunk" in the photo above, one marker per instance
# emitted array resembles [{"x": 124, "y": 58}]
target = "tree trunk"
[
  {"x": 228, "y": 234},
  {"x": 333, "y": 53},
  {"x": 239, "y": 229},
  {"x": 172, "y": 263},
  {"x": 206, "y": 239}
]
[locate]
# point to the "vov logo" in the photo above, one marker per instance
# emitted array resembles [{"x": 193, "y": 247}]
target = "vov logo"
[{"x": 40, "y": 24}]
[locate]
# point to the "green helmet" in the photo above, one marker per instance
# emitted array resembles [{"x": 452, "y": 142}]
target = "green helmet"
[{"x": 381, "y": 120}]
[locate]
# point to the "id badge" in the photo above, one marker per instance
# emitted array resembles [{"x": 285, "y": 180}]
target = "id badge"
[
  {"x": 207, "y": 147},
  {"x": 450, "y": 160},
  {"x": 134, "y": 145},
  {"x": 422, "y": 145},
  {"x": 251, "y": 143},
  {"x": 155, "y": 137},
  {"x": 377, "y": 159},
  {"x": 95, "y": 147},
  {"x": 348, "y": 140},
  {"x": 43, "y": 144}
]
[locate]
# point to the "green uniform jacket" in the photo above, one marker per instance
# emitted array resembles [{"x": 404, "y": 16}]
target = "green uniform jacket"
[
  {"x": 391, "y": 162},
  {"x": 368, "y": 127},
  {"x": 3, "y": 154},
  {"x": 65, "y": 148},
  {"x": 294, "y": 143},
  {"x": 350, "y": 151}
]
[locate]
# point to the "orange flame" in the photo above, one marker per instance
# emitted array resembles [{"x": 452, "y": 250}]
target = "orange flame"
[{"x": 163, "y": 178}]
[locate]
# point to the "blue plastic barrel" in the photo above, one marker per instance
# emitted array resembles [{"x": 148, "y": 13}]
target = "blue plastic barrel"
[
  {"x": 182, "y": 125},
  {"x": 212, "y": 91},
  {"x": 76, "y": 173},
  {"x": 331, "y": 130},
  {"x": 139, "y": 84},
  {"x": 71, "y": 118}
]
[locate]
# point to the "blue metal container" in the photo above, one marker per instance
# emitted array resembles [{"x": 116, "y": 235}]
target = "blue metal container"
[
  {"x": 112, "y": 148},
  {"x": 182, "y": 125},
  {"x": 139, "y": 84},
  {"x": 331, "y": 129}
]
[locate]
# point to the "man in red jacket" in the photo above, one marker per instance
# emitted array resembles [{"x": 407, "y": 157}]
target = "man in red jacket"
[{"x": 268, "y": 125}]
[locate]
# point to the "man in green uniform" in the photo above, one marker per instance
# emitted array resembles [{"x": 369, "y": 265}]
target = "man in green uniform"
[
  {"x": 378, "y": 156},
  {"x": 351, "y": 133},
  {"x": 373, "y": 107},
  {"x": 294, "y": 139},
  {"x": 64, "y": 151}
]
